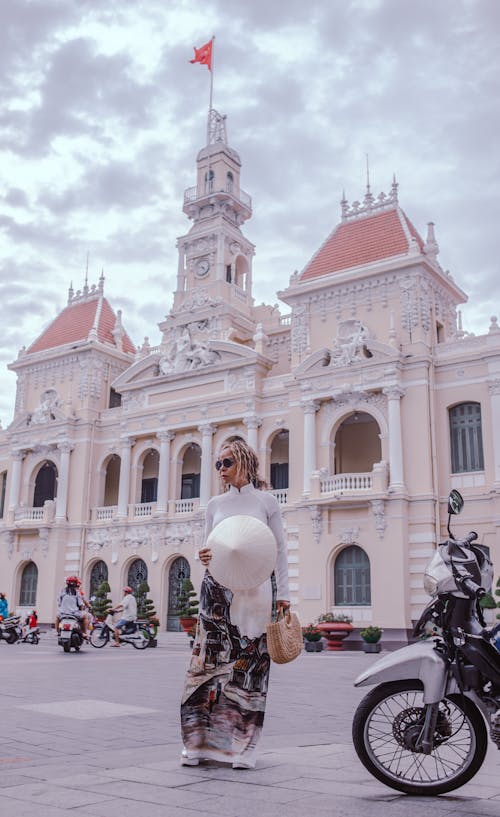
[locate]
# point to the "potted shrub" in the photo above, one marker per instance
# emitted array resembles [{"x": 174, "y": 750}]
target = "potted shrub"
[
  {"x": 371, "y": 636},
  {"x": 336, "y": 627},
  {"x": 146, "y": 613},
  {"x": 187, "y": 609},
  {"x": 100, "y": 604},
  {"x": 487, "y": 603},
  {"x": 312, "y": 638}
]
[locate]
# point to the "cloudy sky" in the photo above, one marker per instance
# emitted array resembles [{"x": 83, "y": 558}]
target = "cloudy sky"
[{"x": 102, "y": 116}]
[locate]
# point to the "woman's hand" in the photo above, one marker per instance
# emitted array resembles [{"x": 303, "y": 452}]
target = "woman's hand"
[
  {"x": 205, "y": 555},
  {"x": 282, "y": 605}
]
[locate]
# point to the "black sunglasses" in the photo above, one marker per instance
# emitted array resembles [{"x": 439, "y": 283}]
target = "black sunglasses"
[{"x": 226, "y": 462}]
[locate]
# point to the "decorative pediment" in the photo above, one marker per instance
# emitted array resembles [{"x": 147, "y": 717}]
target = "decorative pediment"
[
  {"x": 48, "y": 412},
  {"x": 188, "y": 360},
  {"x": 352, "y": 345}
]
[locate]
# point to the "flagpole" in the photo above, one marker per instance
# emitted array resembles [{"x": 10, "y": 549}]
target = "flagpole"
[{"x": 211, "y": 89}]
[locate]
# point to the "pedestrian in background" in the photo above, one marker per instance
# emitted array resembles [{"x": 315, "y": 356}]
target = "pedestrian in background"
[{"x": 4, "y": 606}]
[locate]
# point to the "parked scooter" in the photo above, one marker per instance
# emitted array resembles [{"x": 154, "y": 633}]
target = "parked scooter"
[
  {"x": 422, "y": 729},
  {"x": 70, "y": 633},
  {"x": 11, "y": 629},
  {"x": 133, "y": 633}
]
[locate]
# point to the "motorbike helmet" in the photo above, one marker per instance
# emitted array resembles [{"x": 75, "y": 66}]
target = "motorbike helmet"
[
  {"x": 73, "y": 581},
  {"x": 127, "y": 589}
]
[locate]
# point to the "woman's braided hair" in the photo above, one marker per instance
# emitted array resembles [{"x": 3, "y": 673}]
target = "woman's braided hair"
[{"x": 246, "y": 461}]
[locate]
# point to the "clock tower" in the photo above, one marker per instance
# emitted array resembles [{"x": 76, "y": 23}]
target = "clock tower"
[{"x": 214, "y": 276}]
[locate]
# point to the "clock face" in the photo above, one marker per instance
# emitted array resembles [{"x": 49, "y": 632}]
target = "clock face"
[{"x": 202, "y": 267}]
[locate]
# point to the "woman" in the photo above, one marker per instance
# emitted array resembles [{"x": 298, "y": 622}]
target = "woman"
[{"x": 222, "y": 710}]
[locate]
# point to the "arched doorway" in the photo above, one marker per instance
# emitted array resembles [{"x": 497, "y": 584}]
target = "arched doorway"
[
  {"x": 179, "y": 570},
  {"x": 29, "y": 582},
  {"x": 98, "y": 575},
  {"x": 137, "y": 573},
  {"x": 357, "y": 444},
  {"x": 45, "y": 484},
  {"x": 191, "y": 469}
]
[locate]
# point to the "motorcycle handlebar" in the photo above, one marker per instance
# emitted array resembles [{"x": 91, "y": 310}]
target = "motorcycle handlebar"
[{"x": 467, "y": 540}]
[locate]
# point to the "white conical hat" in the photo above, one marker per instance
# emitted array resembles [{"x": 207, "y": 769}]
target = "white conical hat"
[{"x": 243, "y": 552}]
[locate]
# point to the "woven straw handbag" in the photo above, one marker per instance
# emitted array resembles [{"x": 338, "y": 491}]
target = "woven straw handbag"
[{"x": 284, "y": 638}]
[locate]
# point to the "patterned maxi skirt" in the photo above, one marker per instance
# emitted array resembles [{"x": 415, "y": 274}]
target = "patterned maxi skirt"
[{"x": 222, "y": 708}]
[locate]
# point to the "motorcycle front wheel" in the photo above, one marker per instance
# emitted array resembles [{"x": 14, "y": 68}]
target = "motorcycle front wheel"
[
  {"x": 388, "y": 721},
  {"x": 143, "y": 642},
  {"x": 99, "y": 637}
]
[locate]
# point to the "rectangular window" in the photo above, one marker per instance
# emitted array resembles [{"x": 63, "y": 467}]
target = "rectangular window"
[
  {"x": 3, "y": 485},
  {"x": 149, "y": 490},
  {"x": 190, "y": 488},
  {"x": 466, "y": 438},
  {"x": 279, "y": 475}
]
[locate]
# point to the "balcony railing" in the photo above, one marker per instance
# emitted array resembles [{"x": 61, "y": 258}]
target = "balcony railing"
[
  {"x": 186, "y": 505},
  {"x": 281, "y": 495},
  {"x": 343, "y": 483},
  {"x": 28, "y": 514},
  {"x": 104, "y": 513},
  {"x": 142, "y": 509},
  {"x": 191, "y": 195}
]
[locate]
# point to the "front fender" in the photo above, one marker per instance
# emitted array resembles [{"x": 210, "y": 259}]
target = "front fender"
[{"x": 418, "y": 660}]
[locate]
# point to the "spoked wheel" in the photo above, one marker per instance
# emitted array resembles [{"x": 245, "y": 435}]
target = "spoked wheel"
[
  {"x": 99, "y": 637},
  {"x": 387, "y": 724},
  {"x": 143, "y": 641}
]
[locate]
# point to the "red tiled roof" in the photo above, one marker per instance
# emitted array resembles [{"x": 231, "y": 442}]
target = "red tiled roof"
[
  {"x": 74, "y": 323},
  {"x": 362, "y": 240}
]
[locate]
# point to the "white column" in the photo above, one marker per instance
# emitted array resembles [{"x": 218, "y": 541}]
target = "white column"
[
  {"x": 253, "y": 424},
  {"x": 124, "y": 487},
  {"x": 65, "y": 448},
  {"x": 15, "y": 480},
  {"x": 310, "y": 408},
  {"x": 206, "y": 432},
  {"x": 396, "y": 479},
  {"x": 165, "y": 438},
  {"x": 494, "y": 390}
]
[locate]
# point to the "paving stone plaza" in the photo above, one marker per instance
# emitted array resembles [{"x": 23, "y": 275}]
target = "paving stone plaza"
[{"x": 96, "y": 734}]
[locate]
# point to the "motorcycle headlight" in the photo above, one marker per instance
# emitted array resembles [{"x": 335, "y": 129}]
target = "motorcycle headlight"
[{"x": 430, "y": 584}]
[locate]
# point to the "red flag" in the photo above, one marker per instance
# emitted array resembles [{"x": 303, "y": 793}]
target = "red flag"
[{"x": 203, "y": 55}]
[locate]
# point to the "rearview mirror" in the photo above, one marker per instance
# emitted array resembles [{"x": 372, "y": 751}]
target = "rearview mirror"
[{"x": 455, "y": 502}]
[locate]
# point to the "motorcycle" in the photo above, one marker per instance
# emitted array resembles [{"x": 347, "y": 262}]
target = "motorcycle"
[
  {"x": 31, "y": 636},
  {"x": 423, "y": 729},
  {"x": 133, "y": 633},
  {"x": 11, "y": 629},
  {"x": 70, "y": 633}
]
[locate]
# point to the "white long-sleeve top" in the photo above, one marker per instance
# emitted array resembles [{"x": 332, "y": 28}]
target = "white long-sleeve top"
[{"x": 249, "y": 501}]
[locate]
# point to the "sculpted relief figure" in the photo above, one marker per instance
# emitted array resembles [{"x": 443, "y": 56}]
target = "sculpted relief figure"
[
  {"x": 45, "y": 411},
  {"x": 350, "y": 343},
  {"x": 185, "y": 355}
]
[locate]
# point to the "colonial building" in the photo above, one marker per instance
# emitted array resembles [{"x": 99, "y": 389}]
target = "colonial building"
[{"x": 366, "y": 403}]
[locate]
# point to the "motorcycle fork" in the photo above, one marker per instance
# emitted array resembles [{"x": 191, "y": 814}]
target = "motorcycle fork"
[{"x": 425, "y": 740}]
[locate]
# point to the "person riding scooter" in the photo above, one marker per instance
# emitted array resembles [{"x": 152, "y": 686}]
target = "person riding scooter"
[
  {"x": 71, "y": 603},
  {"x": 128, "y": 608}
]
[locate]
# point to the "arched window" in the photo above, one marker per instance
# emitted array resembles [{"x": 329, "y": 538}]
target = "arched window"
[
  {"x": 29, "y": 581},
  {"x": 3, "y": 485},
  {"x": 149, "y": 484},
  {"x": 98, "y": 575},
  {"x": 466, "y": 438},
  {"x": 137, "y": 573},
  {"x": 352, "y": 578},
  {"x": 229, "y": 182},
  {"x": 179, "y": 570},
  {"x": 112, "y": 481},
  {"x": 45, "y": 484},
  {"x": 279, "y": 460},
  {"x": 191, "y": 469},
  {"x": 209, "y": 181}
]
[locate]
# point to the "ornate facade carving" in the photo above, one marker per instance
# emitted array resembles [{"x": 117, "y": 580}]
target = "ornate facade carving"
[
  {"x": 316, "y": 515},
  {"x": 300, "y": 329},
  {"x": 378, "y": 508},
  {"x": 91, "y": 379},
  {"x": 350, "y": 344},
  {"x": 185, "y": 354},
  {"x": 350, "y": 536},
  {"x": 242, "y": 380}
]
